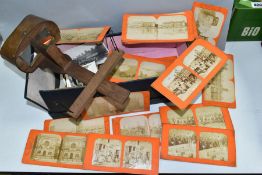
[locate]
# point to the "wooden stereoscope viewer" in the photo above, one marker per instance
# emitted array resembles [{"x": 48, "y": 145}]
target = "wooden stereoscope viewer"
[{"x": 41, "y": 35}]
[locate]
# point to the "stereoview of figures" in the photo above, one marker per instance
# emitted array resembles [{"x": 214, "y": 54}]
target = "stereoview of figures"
[{"x": 145, "y": 125}]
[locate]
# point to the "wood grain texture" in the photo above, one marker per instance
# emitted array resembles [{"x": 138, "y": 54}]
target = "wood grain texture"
[{"x": 85, "y": 98}]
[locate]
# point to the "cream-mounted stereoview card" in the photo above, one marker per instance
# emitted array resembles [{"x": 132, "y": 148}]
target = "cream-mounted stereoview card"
[{"x": 220, "y": 91}]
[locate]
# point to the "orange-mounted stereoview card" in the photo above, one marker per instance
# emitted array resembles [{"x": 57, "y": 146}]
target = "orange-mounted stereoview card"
[
  {"x": 209, "y": 21},
  {"x": 97, "y": 125},
  {"x": 197, "y": 115},
  {"x": 122, "y": 154},
  {"x": 198, "y": 145},
  {"x": 158, "y": 28},
  {"x": 220, "y": 91},
  {"x": 136, "y": 67},
  {"x": 57, "y": 149},
  {"x": 83, "y": 35},
  {"x": 143, "y": 125},
  {"x": 100, "y": 107},
  {"x": 190, "y": 73}
]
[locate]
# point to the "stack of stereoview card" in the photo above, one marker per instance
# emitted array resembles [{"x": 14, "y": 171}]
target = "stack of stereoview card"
[
  {"x": 106, "y": 140},
  {"x": 186, "y": 77},
  {"x": 93, "y": 151},
  {"x": 203, "y": 134}
]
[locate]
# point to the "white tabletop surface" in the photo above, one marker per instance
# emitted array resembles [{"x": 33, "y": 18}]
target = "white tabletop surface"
[{"x": 17, "y": 117}]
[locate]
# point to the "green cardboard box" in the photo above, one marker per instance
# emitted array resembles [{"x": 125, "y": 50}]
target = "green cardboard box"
[{"x": 246, "y": 21}]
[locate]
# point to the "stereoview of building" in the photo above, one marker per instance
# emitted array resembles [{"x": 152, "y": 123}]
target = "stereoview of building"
[
  {"x": 153, "y": 27},
  {"x": 182, "y": 82},
  {"x": 182, "y": 143},
  {"x": 138, "y": 154},
  {"x": 107, "y": 152},
  {"x": 46, "y": 147},
  {"x": 204, "y": 59},
  {"x": 174, "y": 26},
  {"x": 93, "y": 54},
  {"x": 217, "y": 86},
  {"x": 208, "y": 16},
  {"x": 149, "y": 27},
  {"x": 72, "y": 150},
  {"x": 205, "y": 21},
  {"x": 127, "y": 69}
]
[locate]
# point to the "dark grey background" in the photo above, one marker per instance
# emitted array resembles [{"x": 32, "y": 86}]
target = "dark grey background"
[{"x": 91, "y": 13}]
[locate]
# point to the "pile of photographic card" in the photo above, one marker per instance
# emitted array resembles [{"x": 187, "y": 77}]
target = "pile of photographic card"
[
  {"x": 92, "y": 152},
  {"x": 203, "y": 134},
  {"x": 105, "y": 139}
]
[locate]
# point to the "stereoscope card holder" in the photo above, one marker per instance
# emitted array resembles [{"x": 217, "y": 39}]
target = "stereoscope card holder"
[
  {"x": 42, "y": 88},
  {"x": 41, "y": 35}
]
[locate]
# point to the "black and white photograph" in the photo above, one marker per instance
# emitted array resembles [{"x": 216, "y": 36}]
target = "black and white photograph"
[{"x": 87, "y": 53}]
